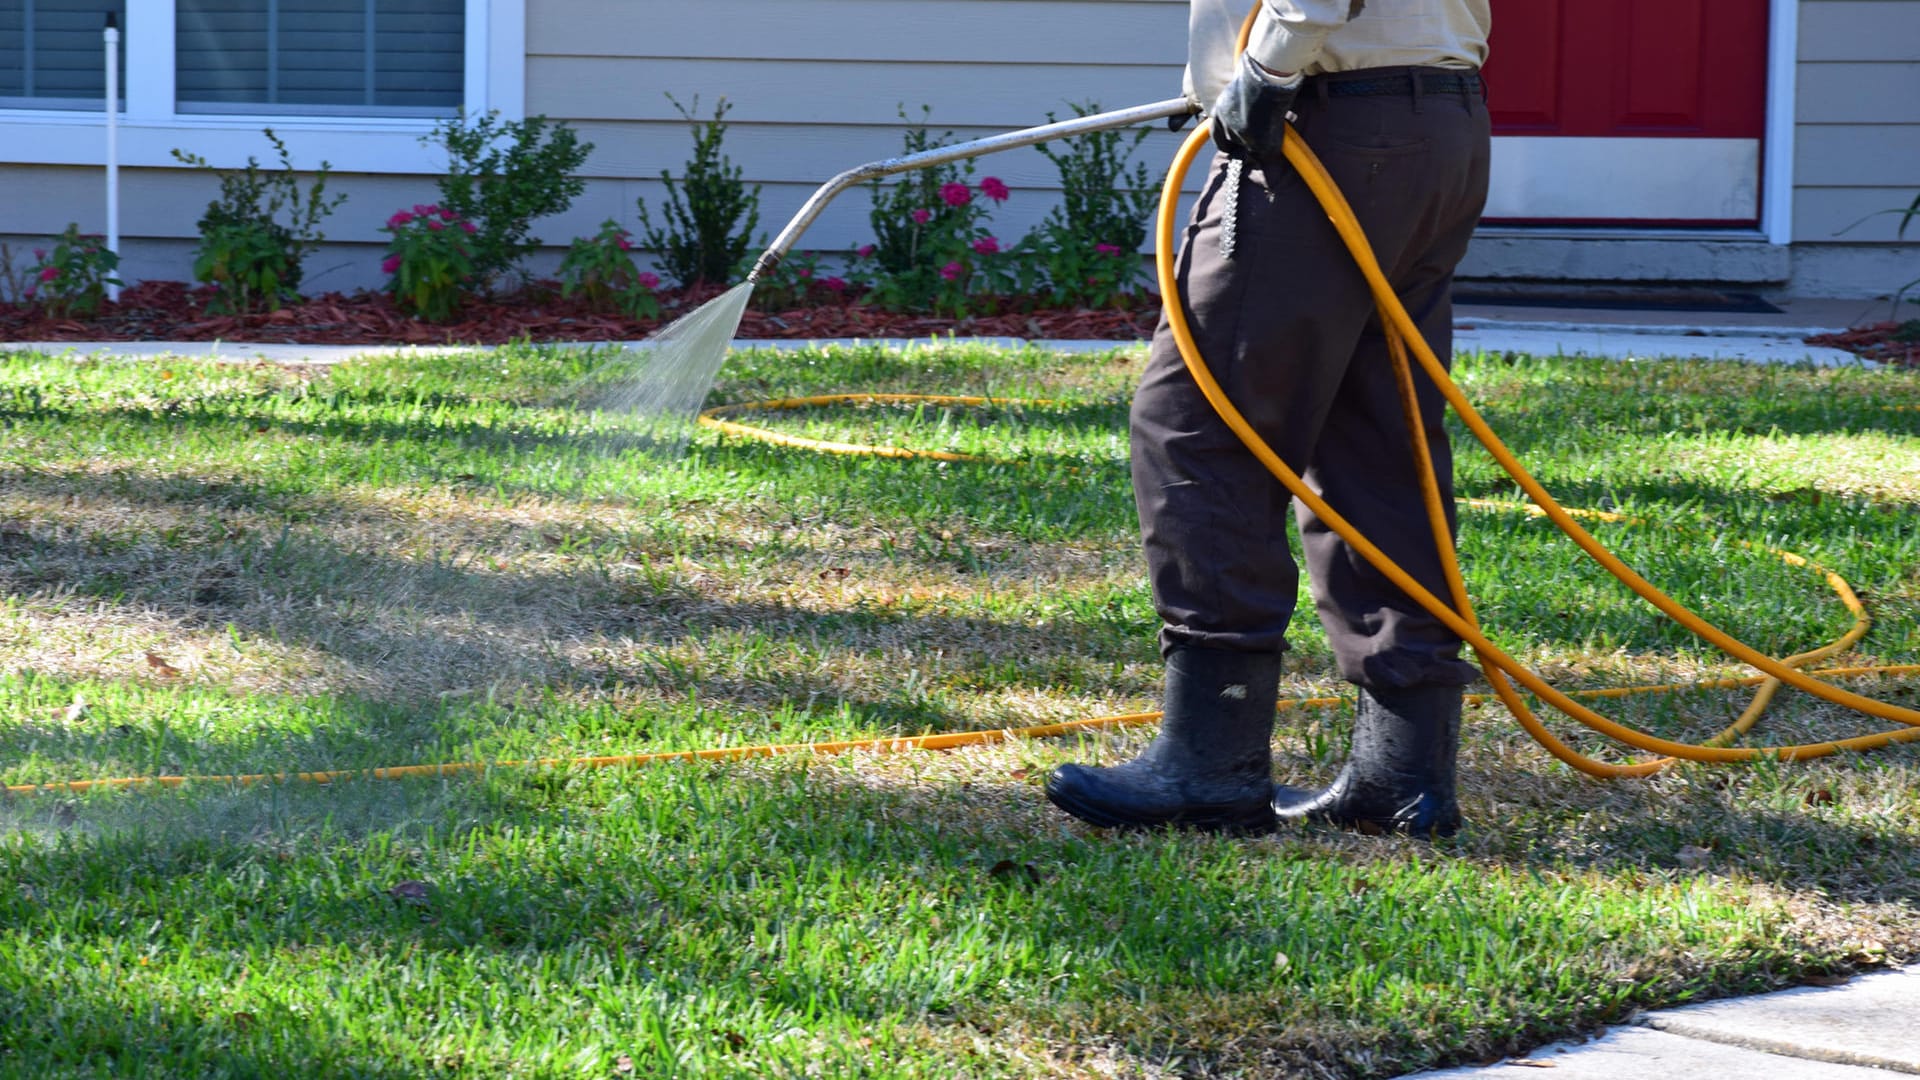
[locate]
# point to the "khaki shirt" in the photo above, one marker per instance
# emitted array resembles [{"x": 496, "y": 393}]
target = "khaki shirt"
[{"x": 1316, "y": 36}]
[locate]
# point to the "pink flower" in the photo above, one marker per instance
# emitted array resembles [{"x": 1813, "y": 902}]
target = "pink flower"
[
  {"x": 48, "y": 273},
  {"x": 40, "y": 254},
  {"x": 390, "y": 264},
  {"x": 835, "y": 284},
  {"x": 922, "y": 216},
  {"x": 423, "y": 210},
  {"x": 648, "y": 281},
  {"x": 956, "y": 194},
  {"x": 986, "y": 245},
  {"x": 1107, "y": 249},
  {"x": 434, "y": 224},
  {"x": 865, "y": 251},
  {"x": 803, "y": 273},
  {"x": 446, "y": 214},
  {"x": 399, "y": 218},
  {"x": 951, "y": 271},
  {"x": 468, "y": 225},
  {"x": 620, "y": 242},
  {"x": 994, "y": 188}
]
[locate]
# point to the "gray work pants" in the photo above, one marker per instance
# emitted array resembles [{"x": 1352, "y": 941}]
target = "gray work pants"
[{"x": 1288, "y": 328}]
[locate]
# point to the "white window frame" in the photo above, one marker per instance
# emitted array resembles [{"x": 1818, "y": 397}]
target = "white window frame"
[{"x": 151, "y": 128}]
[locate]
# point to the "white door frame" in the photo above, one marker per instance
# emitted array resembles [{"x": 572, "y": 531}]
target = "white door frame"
[{"x": 1776, "y": 170}]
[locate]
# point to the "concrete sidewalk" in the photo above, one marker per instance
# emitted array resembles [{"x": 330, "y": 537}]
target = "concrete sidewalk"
[
  {"x": 1639, "y": 334},
  {"x": 1867, "y": 1028},
  {"x": 1619, "y": 335}
]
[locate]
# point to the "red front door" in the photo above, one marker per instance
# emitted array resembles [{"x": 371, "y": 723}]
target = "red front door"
[{"x": 1647, "y": 112}]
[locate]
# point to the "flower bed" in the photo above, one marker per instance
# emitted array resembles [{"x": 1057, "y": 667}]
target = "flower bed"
[
  {"x": 172, "y": 311},
  {"x": 1885, "y": 342}
]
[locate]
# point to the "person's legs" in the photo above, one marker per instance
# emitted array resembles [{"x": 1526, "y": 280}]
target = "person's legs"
[
  {"x": 1279, "y": 322},
  {"x": 1400, "y": 774}
]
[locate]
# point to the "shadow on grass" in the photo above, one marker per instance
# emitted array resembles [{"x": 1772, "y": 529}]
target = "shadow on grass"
[
  {"x": 450, "y": 622},
  {"x": 508, "y": 440},
  {"x": 964, "y": 905},
  {"x": 73, "y": 1026}
]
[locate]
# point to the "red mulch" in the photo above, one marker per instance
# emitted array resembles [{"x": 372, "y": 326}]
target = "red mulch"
[
  {"x": 172, "y": 311},
  {"x": 1881, "y": 341}
]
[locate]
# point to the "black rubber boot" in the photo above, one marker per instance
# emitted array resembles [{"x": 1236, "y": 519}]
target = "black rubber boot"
[
  {"x": 1400, "y": 773},
  {"x": 1211, "y": 767}
]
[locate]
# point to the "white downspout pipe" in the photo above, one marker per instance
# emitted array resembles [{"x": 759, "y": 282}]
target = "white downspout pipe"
[{"x": 113, "y": 145}]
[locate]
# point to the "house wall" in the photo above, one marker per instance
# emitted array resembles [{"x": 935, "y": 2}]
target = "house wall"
[
  {"x": 818, "y": 85},
  {"x": 815, "y": 86},
  {"x": 1857, "y": 146}
]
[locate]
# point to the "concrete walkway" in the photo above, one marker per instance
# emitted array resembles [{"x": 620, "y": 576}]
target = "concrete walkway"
[
  {"x": 1867, "y": 1028},
  {"x": 1619, "y": 335}
]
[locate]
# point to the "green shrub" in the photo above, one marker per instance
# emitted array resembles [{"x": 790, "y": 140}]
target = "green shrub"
[
  {"x": 429, "y": 260},
  {"x": 710, "y": 213},
  {"x": 600, "y": 269},
  {"x": 72, "y": 279},
  {"x": 932, "y": 247},
  {"x": 13, "y": 281},
  {"x": 797, "y": 280},
  {"x": 256, "y": 235},
  {"x": 1087, "y": 248},
  {"x": 501, "y": 176}
]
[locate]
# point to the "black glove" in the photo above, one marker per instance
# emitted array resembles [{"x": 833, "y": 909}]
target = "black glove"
[{"x": 1250, "y": 117}]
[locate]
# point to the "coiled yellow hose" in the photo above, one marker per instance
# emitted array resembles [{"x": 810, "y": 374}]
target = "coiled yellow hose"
[{"x": 1402, "y": 334}]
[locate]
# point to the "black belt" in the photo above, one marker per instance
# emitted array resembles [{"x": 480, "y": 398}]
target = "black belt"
[{"x": 1431, "y": 82}]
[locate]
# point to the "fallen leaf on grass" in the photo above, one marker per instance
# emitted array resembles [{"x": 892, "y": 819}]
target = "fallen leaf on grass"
[
  {"x": 1008, "y": 870},
  {"x": 412, "y": 892},
  {"x": 77, "y": 711},
  {"x": 1532, "y": 1063},
  {"x": 623, "y": 1064},
  {"x": 160, "y": 666}
]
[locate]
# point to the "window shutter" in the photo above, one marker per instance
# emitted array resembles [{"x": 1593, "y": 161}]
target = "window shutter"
[
  {"x": 380, "y": 57},
  {"x": 52, "y": 55}
]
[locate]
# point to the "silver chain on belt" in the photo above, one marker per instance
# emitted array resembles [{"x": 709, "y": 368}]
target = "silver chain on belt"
[{"x": 1230, "y": 221}]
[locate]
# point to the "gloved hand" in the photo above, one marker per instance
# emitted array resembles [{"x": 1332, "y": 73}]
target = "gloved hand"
[{"x": 1250, "y": 117}]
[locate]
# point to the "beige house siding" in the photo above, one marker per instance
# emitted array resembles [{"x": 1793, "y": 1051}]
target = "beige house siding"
[
  {"x": 817, "y": 86},
  {"x": 1857, "y": 143}
]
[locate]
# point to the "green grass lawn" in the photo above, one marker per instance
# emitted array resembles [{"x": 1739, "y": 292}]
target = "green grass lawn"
[{"x": 233, "y": 569}]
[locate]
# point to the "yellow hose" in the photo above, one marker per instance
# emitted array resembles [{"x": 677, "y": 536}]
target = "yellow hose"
[{"x": 1402, "y": 334}]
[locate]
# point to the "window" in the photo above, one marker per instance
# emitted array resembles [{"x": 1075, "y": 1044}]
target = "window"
[
  {"x": 320, "y": 57},
  {"x": 52, "y": 53},
  {"x": 354, "y": 82}
]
